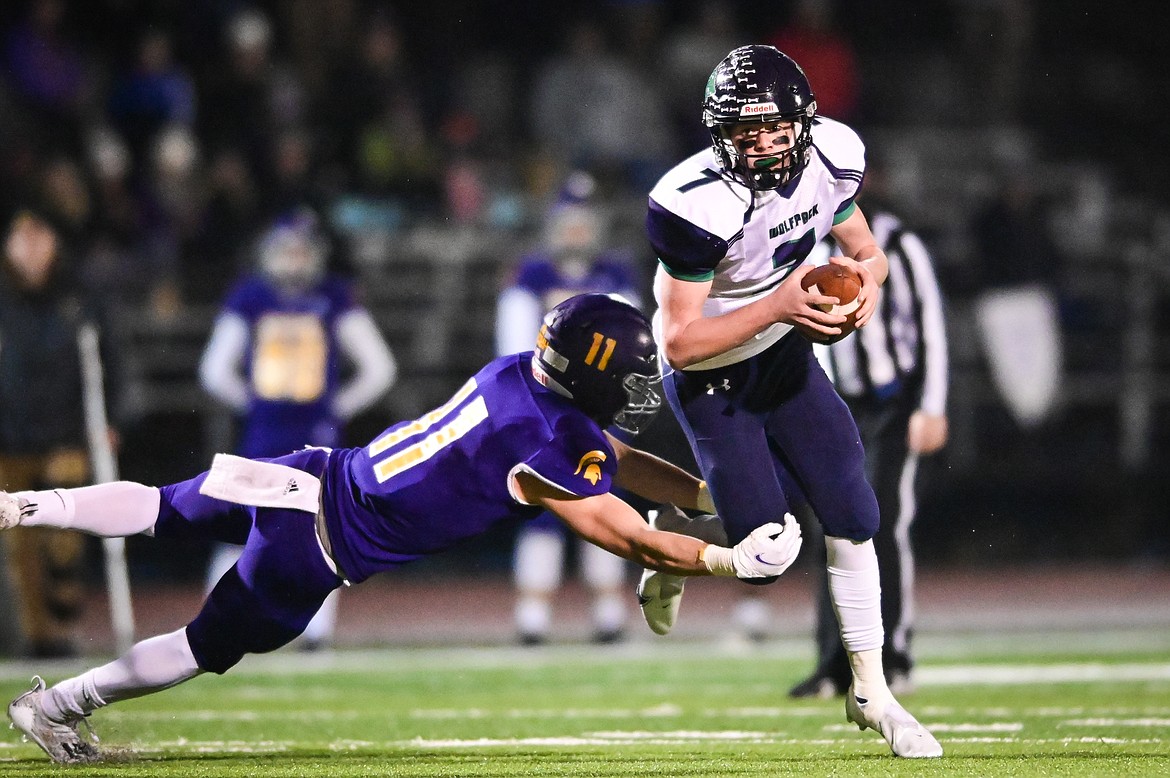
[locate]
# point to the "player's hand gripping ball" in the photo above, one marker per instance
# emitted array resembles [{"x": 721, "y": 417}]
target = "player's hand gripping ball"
[{"x": 840, "y": 282}]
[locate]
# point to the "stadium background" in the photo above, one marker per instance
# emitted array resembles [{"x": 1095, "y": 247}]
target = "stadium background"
[{"x": 434, "y": 171}]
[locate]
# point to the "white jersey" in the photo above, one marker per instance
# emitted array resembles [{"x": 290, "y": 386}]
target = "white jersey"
[{"x": 706, "y": 227}]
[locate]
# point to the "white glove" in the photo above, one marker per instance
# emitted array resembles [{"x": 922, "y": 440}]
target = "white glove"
[{"x": 766, "y": 553}]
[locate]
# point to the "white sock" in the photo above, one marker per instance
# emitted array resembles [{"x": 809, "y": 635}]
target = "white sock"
[
  {"x": 112, "y": 510},
  {"x": 533, "y": 614},
  {"x": 539, "y": 560},
  {"x": 601, "y": 569},
  {"x": 149, "y": 666},
  {"x": 609, "y": 611},
  {"x": 855, "y": 588}
]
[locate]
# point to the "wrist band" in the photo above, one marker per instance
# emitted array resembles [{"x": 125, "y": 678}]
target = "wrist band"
[{"x": 717, "y": 559}]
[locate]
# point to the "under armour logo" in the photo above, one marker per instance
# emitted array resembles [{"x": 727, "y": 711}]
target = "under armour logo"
[
  {"x": 291, "y": 486},
  {"x": 725, "y": 385}
]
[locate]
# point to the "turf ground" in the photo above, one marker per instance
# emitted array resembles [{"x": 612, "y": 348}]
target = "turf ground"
[{"x": 1076, "y": 703}]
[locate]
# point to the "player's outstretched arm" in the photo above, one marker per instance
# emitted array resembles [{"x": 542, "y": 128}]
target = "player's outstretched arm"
[
  {"x": 657, "y": 480},
  {"x": 607, "y": 521}
]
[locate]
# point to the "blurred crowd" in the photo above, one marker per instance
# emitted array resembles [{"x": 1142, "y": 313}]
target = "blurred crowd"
[{"x": 161, "y": 135}]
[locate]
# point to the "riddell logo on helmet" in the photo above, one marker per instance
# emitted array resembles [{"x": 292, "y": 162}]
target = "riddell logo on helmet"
[{"x": 755, "y": 109}]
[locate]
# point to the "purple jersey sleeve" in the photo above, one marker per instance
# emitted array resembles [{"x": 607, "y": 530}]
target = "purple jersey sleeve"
[{"x": 574, "y": 461}]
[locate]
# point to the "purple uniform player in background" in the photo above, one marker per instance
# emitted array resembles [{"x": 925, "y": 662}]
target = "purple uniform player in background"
[
  {"x": 525, "y": 434},
  {"x": 571, "y": 259},
  {"x": 275, "y": 358}
]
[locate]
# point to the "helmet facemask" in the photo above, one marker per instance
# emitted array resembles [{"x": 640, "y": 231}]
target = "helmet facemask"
[
  {"x": 763, "y": 172},
  {"x": 642, "y": 404}
]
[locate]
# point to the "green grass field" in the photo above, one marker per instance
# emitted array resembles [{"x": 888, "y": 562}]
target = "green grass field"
[{"x": 1063, "y": 705}]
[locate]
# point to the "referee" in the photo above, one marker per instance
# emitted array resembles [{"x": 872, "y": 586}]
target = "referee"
[{"x": 893, "y": 375}]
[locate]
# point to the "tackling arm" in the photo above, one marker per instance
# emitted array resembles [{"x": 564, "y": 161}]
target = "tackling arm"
[
  {"x": 657, "y": 480},
  {"x": 610, "y": 523}
]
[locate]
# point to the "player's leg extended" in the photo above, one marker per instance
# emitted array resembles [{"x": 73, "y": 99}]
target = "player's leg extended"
[
  {"x": 262, "y": 603},
  {"x": 269, "y": 596},
  {"x": 108, "y": 510},
  {"x": 821, "y": 445}
]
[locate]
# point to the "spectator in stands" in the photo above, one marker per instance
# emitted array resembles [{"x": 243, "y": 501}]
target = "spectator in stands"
[
  {"x": 154, "y": 94},
  {"x": 811, "y": 38},
  {"x": 255, "y": 97},
  {"x": 687, "y": 53},
  {"x": 228, "y": 222},
  {"x": 570, "y": 261},
  {"x": 51, "y": 75},
  {"x": 42, "y": 423},
  {"x": 379, "y": 121},
  {"x": 275, "y": 358},
  {"x": 172, "y": 201},
  {"x": 584, "y": 104}
]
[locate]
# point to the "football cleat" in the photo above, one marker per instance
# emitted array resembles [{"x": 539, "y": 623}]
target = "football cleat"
[
  {"x": 13, "y": 509},
  {"x": 907, "y": 738},
  {"x": 660, "y": 594},
  {"x": 61, "y": 741}
]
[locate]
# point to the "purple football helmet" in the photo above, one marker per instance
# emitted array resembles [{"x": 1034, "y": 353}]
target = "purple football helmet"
[
  {"x": 294, "y": 251},
  {"x": 759, "y": 84},
  {"x": 598, "y": 351}
]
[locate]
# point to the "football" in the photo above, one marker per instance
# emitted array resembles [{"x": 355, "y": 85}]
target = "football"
[{"x": 842, "y": 283}]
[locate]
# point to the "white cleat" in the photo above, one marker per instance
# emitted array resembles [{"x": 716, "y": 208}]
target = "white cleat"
[
  {"x": 13, "y": 509},
  {"x": 660, "y": 594},
  {"x": 907, "y": 738},
  {"x": 62, "y": 742}
]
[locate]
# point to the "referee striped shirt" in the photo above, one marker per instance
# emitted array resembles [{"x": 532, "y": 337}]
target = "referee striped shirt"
[{"x": 904, "y": 343}]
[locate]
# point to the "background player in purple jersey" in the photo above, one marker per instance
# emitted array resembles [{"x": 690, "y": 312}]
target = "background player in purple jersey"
[
  {"x": 275, "y": 358},
  {"x": 571, "y": 260},
  {"x": 524, "y": 435},
  {"x": 733, "y": 226}
]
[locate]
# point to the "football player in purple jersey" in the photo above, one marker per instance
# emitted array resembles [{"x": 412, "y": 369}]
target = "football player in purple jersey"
[
  {"x": 275, "y": 358},
  {"x": 733, "y": 226},
  {"x": 524, "y": 435}
]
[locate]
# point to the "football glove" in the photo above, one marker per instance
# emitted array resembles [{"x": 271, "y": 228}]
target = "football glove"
[{"x": 766, "y": 553}]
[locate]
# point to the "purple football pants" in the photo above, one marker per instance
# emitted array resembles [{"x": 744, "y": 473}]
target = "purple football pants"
[{"x": 279, "y": 582}]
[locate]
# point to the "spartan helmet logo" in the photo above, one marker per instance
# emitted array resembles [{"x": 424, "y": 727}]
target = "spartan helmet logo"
[{"x": 591, "y": 465}]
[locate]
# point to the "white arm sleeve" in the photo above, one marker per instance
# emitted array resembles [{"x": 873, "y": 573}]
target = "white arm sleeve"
[
  {"x": 219, "y": 369},
  {"x": 518, "y": 317},
  {"x": 374, "y": 366}
]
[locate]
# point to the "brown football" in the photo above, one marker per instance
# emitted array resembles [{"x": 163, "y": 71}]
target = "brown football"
[{"x": 842, "y": 283}]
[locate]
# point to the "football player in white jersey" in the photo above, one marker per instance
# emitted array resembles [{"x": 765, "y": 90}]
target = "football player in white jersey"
[{"x": 733, "y": 227}]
